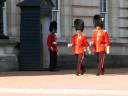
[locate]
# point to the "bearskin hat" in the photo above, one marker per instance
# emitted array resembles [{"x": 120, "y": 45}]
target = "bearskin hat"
[
  {"x": 53, "y": 26},
  {"x": 79, "y": 24},
  {"x": 98, "y": 21}
]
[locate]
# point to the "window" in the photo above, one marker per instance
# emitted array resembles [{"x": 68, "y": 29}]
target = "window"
[
  {"x": 56, "y": 15},
  {"x": 104, "y": 12},
  {"x": 5, "y": 19}
]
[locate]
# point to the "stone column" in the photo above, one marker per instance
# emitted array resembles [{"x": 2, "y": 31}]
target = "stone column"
[
  {"x": 13, "y": 19},
  {"x": 66, "y": 19},
  {"x": 114, "y": 22},
  {"x": 123, "y": 28}
]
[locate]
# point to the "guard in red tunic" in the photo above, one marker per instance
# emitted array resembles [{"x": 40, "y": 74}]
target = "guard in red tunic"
[
  {"x": 79, "y": 41},
  {"x": 52, "y": 46},
  {"x": 100, "y": 40}
]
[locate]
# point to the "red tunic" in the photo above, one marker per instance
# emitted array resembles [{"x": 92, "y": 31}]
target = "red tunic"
[
  {"x": 52, "y": 42},
  {"x": 78, "y": 42},
  {"x": 99, "y": 38}
]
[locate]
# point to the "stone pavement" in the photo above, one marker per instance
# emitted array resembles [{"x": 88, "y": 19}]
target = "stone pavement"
[{"x": 64, "y": 83}]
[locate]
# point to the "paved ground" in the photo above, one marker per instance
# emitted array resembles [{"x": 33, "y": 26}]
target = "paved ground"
[{"x": 64, "y": 83}]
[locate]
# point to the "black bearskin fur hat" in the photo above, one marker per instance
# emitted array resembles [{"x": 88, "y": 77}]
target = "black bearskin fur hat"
[
  {"x": 79, "y": 24},
  {"x": 53, "y": 26},
  {"x": 97, "y": 21}
]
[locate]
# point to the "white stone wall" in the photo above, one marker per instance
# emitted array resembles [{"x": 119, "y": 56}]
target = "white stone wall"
[
  {"x": 66, "y": 17},
  {"x": 85, "y": 10},
  {"x": 72, "y": 9},
  {"x": 82, "y": 9},
  {"x": 123, "y": 21},
  {"x": 113, "y": 16},
  {"x": 118, "y": 20},
  {"x": 13, "y": 19}
]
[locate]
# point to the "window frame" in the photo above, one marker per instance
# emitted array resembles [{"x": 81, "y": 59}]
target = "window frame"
[
  {"x": 105, "y": 13},
  {"x": 5, "y": 18},
  {"x": 58, "y": 19}
]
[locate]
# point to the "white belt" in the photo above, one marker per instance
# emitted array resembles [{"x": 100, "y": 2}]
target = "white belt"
[{"x": 54, "y": 42}]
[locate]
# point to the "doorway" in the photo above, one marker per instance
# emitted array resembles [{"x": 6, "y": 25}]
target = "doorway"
[{"x": 45, "y": 22}]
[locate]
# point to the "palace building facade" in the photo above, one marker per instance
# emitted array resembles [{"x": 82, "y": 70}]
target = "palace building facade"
[{"x": 114, "y": 12}]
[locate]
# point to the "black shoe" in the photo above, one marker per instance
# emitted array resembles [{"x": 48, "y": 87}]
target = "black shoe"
[
  {"x": 56, "y": 69},
  {"x": 83, "y": 71},
  {"x": 77, "y": 74},
  {"x": 97, "y": 74},
  {"x": 102, "y": 71},
  {"x": 51, "y": 70}
]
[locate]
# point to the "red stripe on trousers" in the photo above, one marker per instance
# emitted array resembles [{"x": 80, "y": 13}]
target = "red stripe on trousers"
[
  {"x": 80, "y": 62},
  {"x": 101, "y": 62}
]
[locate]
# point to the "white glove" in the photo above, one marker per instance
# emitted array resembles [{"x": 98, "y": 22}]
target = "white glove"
[
  {"x": 70, "y": 45},
  {"x": 51, "y": 48},
  {"x": 89, "y": 52},
  {"x": 84, "y": 49},
  {"x": 91, "y": 43},
  {"x": 108, "y": 52}
]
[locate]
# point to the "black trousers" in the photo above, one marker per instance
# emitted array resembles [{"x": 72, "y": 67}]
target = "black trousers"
[
  {"x": 78, "y": 62},
  {"x": 100, "y": 60},
  {"x": 53, "y": 61}
]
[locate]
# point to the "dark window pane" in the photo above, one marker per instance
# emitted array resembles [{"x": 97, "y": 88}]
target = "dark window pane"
[
  {"x": 104, "y": 10},
  {"x": 103, "y": 15},
  {"x": 100, "y": 5},
  {"x": 56, "y": 4},
  {"x": 54, "y": 16}
]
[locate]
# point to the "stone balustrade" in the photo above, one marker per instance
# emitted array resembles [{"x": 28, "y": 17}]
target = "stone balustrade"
[{"x": 8, "y": 56}]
